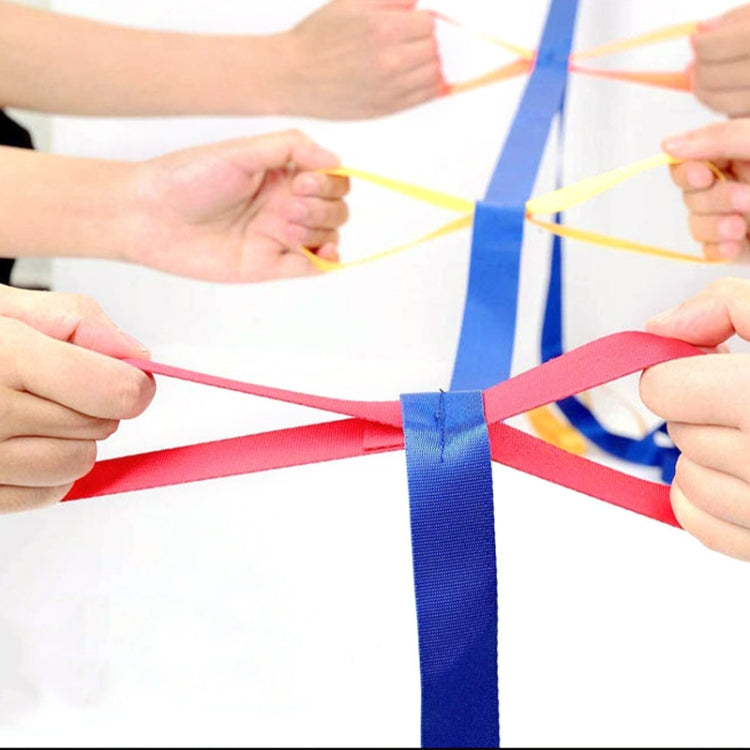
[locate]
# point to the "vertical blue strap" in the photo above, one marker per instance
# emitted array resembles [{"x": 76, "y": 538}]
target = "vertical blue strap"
[
  {"x": 645, "y": 451},
  {"x": 455, "y": 576},
  {"x": 485, "y": 348}
]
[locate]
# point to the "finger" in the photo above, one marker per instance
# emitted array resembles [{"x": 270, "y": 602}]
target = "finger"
[
  {"x": 309, "y": 236},
  {"x": 722, "y": 198},
  {"x": 415, "y": 55},
  {"x": 714, "y": 533},
  {"x": 734, "y": 74},
  {"x": 17, "y": 499},
  {"x": 715, "y": 447},
  {"x": 320, "y": 185},
  {"x": 725, "y": 41},
  {"x": 329, "y": 252},
  {"x": 45, "y": 462},
  {"x": 733, "y": 102},
  {"x": 692, "y": 175},
  {"x": 721, "y": 495},
  {"x": 710, "y": 317},
  {"x": 293, "y": 264},
  {"x": 393, "y": 3},
  {"x": 416, "y": 25},
  {"x": 719, "y": 140},
  {"x": 694, "y": 390},
  {"x": 318, "y": 214},
  {"x": 718, "y": 228},
  {"x": 276, "y": 151},
  {"x": 70, "y": 317},
  {"x": 736, "y": 252},
  {"x": 423, "y": 84},
  {"x": 82, "y": 380},
  {"x": 740, "y": 13},
  {"x": 25, "y": 415}
]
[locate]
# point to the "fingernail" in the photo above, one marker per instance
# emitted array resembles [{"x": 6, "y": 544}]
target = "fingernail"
[
  {"x": 728, "y": 250},
  {"x": 681, "y": 145},
  {"x": 699, "y": 176},
  {"x": 662, "y": 318},
  {"x": 307, "y": 185},
  {"x": 710, "y": 24},
  {"x": 741, "y": 200},
  {"x": 674, "y": 142},
  {"x": 731, "y": 228},
  {"x": 132, "y": 341}
]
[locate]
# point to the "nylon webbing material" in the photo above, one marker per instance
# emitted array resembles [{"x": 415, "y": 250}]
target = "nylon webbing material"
[
  {"x": 455, "y": 577},
  {"x": 485, "y": 347}
]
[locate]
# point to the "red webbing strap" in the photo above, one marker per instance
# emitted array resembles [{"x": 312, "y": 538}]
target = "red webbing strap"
[
  {"x": 295, "y": 446},
  {"x": 534, "y": 456},
  {"x": 384, "y": 412},
  {"x": 580, "y": 369},
  {"x": 377, "y": 427}
]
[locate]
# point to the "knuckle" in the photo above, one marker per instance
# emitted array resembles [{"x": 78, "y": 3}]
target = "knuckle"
[
  {"x": 106, "y": 428},
  {"x": 78, "y": 304}
]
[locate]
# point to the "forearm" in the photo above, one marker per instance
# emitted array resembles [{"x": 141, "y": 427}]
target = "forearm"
[
  {"x": 55, "y": 63},
  {"x": 63, "y": 206}
]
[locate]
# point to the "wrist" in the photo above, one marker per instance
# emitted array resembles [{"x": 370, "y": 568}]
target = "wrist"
[{"x": 263, "y": 75}]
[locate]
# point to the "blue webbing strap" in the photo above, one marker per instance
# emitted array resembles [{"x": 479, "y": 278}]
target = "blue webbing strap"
[
  {"x": 455, "y": 577},
  {"x": 644, "y": 451},
  {"x": 485, "y": 348},
  {"x": 447, "y": 447}
]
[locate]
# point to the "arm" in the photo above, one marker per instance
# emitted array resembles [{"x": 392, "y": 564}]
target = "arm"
[
  {"x": 349, "y": 59},
  {"x": 234, "y": 211},
  {"x": 61, "y": 390},
  {"x": 707, "y": 407}
]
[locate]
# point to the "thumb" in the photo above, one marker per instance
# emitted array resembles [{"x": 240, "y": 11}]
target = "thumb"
[
  {"x": 279, "y": 150},
  {"x": 70, "y": 317},
  {"x": 720, "y": 140},
  {"x": 710, "y": 317}
]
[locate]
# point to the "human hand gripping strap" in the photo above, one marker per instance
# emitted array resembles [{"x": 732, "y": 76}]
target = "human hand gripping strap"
[
  {"x": 524, "y": 62},
  {"x": 377, "y": 426},
  {"x": 675, "y": 80},
  {"x": 550, "y": 203}
]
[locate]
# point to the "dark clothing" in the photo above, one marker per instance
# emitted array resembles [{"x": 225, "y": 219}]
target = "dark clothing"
[{"x": 11, "y": 134}]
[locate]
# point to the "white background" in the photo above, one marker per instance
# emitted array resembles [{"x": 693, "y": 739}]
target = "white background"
[{"x": 277, "y": 609}]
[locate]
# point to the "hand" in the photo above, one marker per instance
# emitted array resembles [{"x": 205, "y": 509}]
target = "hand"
[
  {"x": 354, "y": 59},
  {"x": 719, "y": 209},
  {"x": 721, "y": 70},
  {"x": 59, "y": 393},
  {"x": 706, "y": 402},
  {"x": 238, "y": 211}
]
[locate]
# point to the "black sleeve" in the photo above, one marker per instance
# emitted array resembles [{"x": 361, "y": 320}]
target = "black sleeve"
[{"x": 11, "y": 134}]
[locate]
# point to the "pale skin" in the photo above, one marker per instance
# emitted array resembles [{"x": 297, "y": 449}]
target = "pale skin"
[
  {"x": 52, "y": 417},
  {"x": 350, "y": 59},
  {"x": 705, "y": 401},
  {"x": 719, "y": 209},
  {"x": 234, "y": 211}
]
